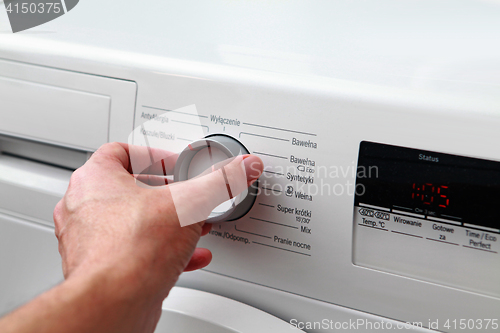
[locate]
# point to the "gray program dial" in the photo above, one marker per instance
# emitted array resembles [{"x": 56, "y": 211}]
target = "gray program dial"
[{"x": 201, "y": 155}]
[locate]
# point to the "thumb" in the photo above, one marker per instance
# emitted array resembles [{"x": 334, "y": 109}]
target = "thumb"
[{"x": 196, "y": 198}]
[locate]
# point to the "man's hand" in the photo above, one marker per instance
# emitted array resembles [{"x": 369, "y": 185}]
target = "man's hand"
[{"x": 122, "y": 245}]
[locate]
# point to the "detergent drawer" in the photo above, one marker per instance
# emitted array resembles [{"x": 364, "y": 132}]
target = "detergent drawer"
[{"x": 64, "y": 108}]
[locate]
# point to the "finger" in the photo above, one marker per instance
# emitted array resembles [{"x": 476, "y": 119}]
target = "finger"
[
  {"x": 219, "y": 165},
  {"x": 164, "y": 166},
  {"x": 114, "y": 154},
  {"x": 153, "y": 180},
  {"x": 206, "y": 229},
  {"x": 150, "y": 160},
  {"x": 136, "y": 159},
  {"x": 216, "y": 166},
  {"x": 196, "y": 198},
  {"x": 200, "y": 258}
]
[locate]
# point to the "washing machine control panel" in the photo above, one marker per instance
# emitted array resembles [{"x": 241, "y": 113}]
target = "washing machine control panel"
[
  {"x": 343, "y": 213},
  {"x": 278, "y": 213}
]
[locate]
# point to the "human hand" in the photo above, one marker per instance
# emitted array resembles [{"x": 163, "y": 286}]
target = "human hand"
[{"x": 106, "y": 223}]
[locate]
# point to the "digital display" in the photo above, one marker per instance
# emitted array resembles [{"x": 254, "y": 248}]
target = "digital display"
[
  {"x": 451, "y": 187},
  {"x": 429, "y": 216}
]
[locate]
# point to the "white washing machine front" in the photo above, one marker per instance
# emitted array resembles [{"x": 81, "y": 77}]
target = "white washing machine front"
[{"x": 318, "y": 91}]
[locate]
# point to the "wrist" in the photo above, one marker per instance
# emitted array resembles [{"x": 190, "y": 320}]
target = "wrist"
[
  {"x": 115, "y": 300},
  {"x": 97, "y": 301},
  {"x": 126, "y": 277}
]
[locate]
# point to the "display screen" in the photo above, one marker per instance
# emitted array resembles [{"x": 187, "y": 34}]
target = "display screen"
[
  {"x": 429, "y": 216},
  {"x": 455, "y": 188}
]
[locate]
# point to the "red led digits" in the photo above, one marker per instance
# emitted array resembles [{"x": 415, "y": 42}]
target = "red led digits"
[
  {"x": 430, "y": 194},
  {"x": 442, "y": 193}
]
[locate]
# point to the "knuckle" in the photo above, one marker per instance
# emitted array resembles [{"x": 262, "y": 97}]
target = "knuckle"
[
  {"x": 57, "y": 214},
  {"x": 112, "y": 151},
  {"x": 59, "y": 218},
  {"x": 77, "y": 176},
  {"x": 110, "y": 148}
]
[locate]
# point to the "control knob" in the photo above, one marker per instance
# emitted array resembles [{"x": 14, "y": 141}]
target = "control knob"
[{"x": 203, "y": 154}]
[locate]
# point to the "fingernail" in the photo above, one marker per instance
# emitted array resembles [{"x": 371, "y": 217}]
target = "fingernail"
[{"x": 253, "y": 166}]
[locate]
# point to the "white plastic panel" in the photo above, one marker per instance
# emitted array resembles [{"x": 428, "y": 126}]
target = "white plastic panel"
[
  {"x": 30, "y": 189},
  {"x": 188, "y": 310},
  {"x": 63, "y": 107},
  {"x": 30, "y": 262},
  {"x": 54, "y": 114},
  {"x": 297, "y": 310}
]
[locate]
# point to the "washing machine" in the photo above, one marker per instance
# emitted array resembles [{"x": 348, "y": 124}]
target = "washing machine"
[{"x": 377, "y": 122}]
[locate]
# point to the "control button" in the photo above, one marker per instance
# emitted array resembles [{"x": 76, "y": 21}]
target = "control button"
[{"x": 200, "y": 156}]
